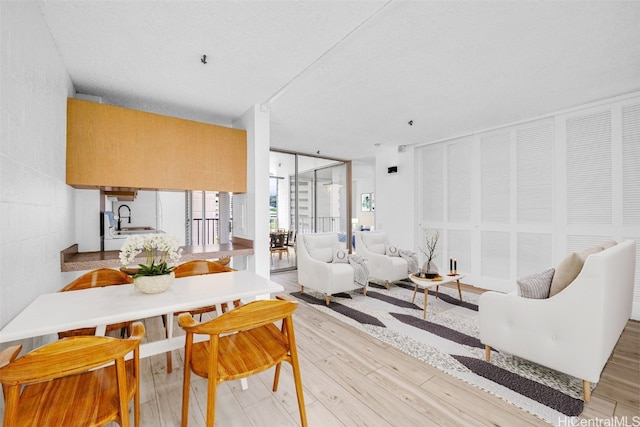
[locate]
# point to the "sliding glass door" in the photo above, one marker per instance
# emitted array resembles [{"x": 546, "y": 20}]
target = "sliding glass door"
[{"x": 308, "y": 195}]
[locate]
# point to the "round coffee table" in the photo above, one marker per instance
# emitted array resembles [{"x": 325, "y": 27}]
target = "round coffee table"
[{"x": 428, "y": 283}]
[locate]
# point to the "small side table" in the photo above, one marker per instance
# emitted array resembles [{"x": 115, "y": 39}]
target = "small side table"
[{"x": 428, "y": 283}]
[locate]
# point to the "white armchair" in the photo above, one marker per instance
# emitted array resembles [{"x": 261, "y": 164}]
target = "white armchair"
[
  {"x": 372, "y": 246},
  {"x": 573, "y": 331},
  {"x": 316, "y": 268}
]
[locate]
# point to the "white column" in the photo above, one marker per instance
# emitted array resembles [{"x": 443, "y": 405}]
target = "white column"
[{"x": 251, "y": 209}]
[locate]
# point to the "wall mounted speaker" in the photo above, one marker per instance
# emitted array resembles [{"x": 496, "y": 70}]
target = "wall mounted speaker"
[{"x": 392, "y": 169}]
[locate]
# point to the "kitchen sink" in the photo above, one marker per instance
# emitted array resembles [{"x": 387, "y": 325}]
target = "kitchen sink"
[
  {"x": 127, "y": 231},
  {"x": 137, "y": 228}
]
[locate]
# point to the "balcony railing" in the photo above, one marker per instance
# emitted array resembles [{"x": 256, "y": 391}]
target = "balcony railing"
[{"x": 212, "y": 235}]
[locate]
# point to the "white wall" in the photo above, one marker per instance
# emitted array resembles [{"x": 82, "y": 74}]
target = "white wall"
[
  {"x": 87, "y": 229},
  {"x": 37, "y": 208},
  {"x": 171, "y": 213},
  {"x": 395, "y": 198}
]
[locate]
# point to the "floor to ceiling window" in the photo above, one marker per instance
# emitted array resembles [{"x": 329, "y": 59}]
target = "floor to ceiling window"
[{"x": 307, "y": 195}]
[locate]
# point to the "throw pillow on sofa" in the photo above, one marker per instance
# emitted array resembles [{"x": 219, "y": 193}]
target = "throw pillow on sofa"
[
  {"x": 340, "y": 255},
  {"x": 391, "y": 250},
  {"x": 569, "y": 268},
  {"x": 537, "y": 285}
]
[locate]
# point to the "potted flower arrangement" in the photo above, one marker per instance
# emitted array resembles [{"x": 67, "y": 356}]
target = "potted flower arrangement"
[
  {"x": 155, "y": 275},
  {"x": 431, "y": 242}
]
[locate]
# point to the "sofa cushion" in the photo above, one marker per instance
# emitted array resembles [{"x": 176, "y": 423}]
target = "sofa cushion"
[
  {"x": 374, "y": 237},
  {"x": 569, "y": 268},
  {"x": 537, "y": 285},
  {"x": 376, "y": 248},
  {"x": 321, "y": 247},
  {"x": 392, "y": 250},
  {"x": 340, "y": 255}
]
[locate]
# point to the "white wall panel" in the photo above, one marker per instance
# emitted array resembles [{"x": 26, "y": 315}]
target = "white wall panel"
[
  {"x": 459, "y": 181},
  {"x": 589, "y": 178},
  {"x": 431, "y": 198},
  {"x": 636, "y": 295},
  {"x": 578, "y": 243},
  {"x": 495, "y": 177},
  {"x": 534, "y": 253},
  {"x": 496, "y": 250},
  {"x": 631, "y": 164},
  {"x": 459, "y": 247},
  {"x": 535, "y": 173}
]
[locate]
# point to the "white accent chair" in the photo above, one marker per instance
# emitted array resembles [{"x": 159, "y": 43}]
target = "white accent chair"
[
  {"x": 372, "y": 245},
  {"x": 575, "y": 330},
  {"x": 315, "y": 267}
]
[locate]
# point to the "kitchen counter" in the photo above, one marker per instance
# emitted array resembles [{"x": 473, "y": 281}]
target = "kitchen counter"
[{"x": 72, "y": 260}]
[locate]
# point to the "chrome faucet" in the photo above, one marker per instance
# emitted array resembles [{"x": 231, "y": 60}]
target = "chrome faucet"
[{"x": 120, "y": 215}]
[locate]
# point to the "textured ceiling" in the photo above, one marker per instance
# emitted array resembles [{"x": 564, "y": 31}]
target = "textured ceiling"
[{"x": 339, "y": 77}]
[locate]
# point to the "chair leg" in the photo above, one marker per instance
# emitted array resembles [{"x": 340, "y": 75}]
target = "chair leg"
[
  {"x": 586, "y": 389},
  {"x": 276, "y": 377},
  {"x": 487, "y": 353},
  {"x": 136, "y": 396},
  {"x": 186, "y": 381},
  {"x": 211, "y": 400},
  {"x": 169, "y": 362},
  {"x": 168, "y": 353},
  {"x": 296, "y": 373},
  {"x": 364, "y": 291}
]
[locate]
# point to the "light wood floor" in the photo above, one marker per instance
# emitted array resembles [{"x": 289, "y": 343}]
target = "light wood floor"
[{"x": 351, "y": 379}]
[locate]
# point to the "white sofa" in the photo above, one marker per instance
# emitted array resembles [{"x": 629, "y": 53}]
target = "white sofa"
[
  {"x": 573, "y": 331},
  {"x": 316, "y": 268},
  {"x": 372, "y": 246}
]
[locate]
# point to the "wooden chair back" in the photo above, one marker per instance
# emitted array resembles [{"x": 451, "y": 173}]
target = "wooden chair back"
[
  {"x": 242, "y": 342},
  {"x": 197, "y": 267},
  {"x": 277, "y": 240},
  {"x": 277, "y": 244},
  {"x": 98, "y": 278},
  {"x": 76, "y": 392}
]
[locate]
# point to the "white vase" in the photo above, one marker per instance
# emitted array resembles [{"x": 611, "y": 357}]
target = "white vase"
[{"x": 153, "y": 284}]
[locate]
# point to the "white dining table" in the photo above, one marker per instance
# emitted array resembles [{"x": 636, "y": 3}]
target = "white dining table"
[{"x": 51, "y": 313}]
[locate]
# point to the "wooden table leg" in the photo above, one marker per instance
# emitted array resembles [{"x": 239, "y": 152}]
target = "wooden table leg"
[
  {"x": 459, "y": 291},
  {"x": 415, "y": 289},
  {"x": 426, "y": 295}
]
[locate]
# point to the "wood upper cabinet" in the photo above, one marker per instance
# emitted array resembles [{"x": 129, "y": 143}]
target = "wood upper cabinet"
[{"x": 111, "y": 146}]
